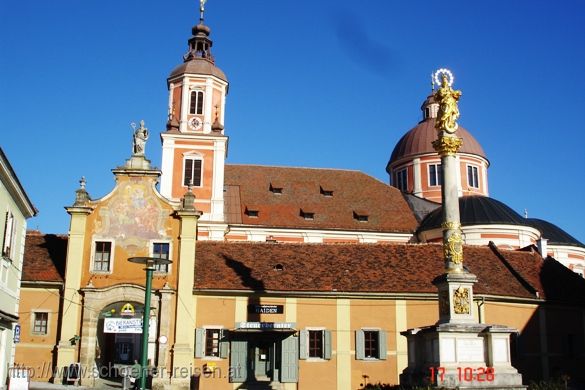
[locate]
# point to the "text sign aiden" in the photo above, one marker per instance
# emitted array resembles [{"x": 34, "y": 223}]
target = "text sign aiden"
[
  {"x": 265, "y": 325},
  {"x": 266, "y": 309}
]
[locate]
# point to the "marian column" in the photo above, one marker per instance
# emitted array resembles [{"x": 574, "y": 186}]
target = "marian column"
[
  {"x": 456, "y": 285},
  {"x": 457, "y": 351}
]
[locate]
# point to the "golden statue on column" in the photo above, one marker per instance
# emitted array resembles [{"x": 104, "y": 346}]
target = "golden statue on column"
[{"x": 447, "y": 99}]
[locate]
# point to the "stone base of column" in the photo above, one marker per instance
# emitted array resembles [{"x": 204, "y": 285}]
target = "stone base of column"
[{"x": 474, "y": 356}]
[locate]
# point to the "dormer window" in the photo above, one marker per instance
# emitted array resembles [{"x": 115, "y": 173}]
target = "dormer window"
[
  {"x": 252, "y": 212},
  {"x": 276, "y": 188},
  {"x": 328, "y": 193},
  {"x": 307, "y": 215},
  {"x": 196, "y": 104},
  {"x": 360, "y": 215}
]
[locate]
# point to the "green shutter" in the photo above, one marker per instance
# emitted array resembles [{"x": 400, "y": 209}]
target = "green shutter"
[
  {"x": 238, "y": 361},
  {"x": 382, "y": 345},
  {"x": 199, "y": 340},
  {"x": 303, "y": 341},
  {"x": 289, "y": 364},
  {"x": 359, "y": 344},
  {"x": 327, "y": 344},
  {"x": 223, "y": 344}
]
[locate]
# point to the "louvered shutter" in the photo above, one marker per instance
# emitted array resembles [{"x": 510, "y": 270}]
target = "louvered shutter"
[{"x": 359, "y": 344}]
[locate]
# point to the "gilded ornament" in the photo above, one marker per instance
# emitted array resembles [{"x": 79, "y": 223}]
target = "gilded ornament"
[
  {"x": 461, "y": 301},
  {"x": 450, "y": 225},
  {"x": 447, "y": 146},
  {"x": 453, "y": 248},
  {"x": 447, "y": 98}
]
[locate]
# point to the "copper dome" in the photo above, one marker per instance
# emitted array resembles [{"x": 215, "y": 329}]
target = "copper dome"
[
  {"x": 198, "y": 66},
  {"x": 418, "y": 141}
]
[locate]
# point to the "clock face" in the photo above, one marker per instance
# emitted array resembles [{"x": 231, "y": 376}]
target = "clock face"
[{"x": 195, "y": 123}]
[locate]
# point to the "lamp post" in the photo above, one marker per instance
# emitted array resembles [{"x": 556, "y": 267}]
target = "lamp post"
[{"x": 150, "y": 263}]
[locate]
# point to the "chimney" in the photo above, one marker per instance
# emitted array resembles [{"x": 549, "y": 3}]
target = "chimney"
[{"x": 541, "y": 243}]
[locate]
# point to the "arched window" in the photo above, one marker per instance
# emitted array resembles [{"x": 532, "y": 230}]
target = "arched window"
[
  {"x": 196, "y": 105},
  {"x": 192, "y": 172}
]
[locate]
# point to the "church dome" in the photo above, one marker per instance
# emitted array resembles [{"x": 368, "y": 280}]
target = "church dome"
[
  {"x": 554, "y": 234},
  {"x": 198, "y": 66},
  {"x": 418, "y": 141},
  {"x": 477, "y": 210}
]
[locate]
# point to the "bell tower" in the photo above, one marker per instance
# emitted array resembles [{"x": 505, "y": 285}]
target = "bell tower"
[{"x": 194, "y": 146}]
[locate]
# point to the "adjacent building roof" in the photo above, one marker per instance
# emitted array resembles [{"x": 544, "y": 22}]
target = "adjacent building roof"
[
  {"x": 477, "y": 210},
  {"x": 554, "y": 234},
  {"x": 285, "y": 197},
  {"x": 370, "y": 268},
  {"x": 44, "y": 257},
  {"x": 14, "y": 188},
  {"x": 419, "y": 140}
]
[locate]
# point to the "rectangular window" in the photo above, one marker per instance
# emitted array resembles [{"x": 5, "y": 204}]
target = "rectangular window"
[
  {"x": 316, "y": 344},
  {"x": 5, "y": 270},
  {"x": 192, "y": 176},
  {"x": 40, "y": 323},
  {"x": 160, "y": 250},
  {"x": 435, "y": 175},
  {"x": 196, "y": 104},
  {"x": 371, "y": 344},
  {"x": 102, "y": 256},
  {"x": 401, "y": 180},
  {"x": 8, "y": 235},
  {"x": 212, "y": 339},
  {"x": 472, "y": 176}
]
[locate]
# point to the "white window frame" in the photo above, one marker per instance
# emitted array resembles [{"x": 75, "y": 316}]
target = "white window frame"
[
  {"x": 112, "y": 255},
  {"x": 309, "y": 358},
  {"x": 196, "y": 91},
  {"x": 382, "y": 352},
  {"x": 475, "y": 170},
  {"x": 203, "y": 344},
  {"x": 438, "y": 174},
  {"x": 32, "y": 322},
  {"x": 9, "y": 233},
  {"x": 5, "y": 265},
  {"x": 405, "y": 182},
  {"x": 193, "y": 156},
  {"x": 151, "y": 253}
]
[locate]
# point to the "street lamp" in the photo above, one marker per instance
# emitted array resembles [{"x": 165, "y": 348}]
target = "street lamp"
[{"x": 150, "y": 263}]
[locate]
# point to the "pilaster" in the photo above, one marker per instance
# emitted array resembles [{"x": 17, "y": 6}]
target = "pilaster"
[
  {"x": 183, "y": 348},
  {"x": 67, "y": 351}
]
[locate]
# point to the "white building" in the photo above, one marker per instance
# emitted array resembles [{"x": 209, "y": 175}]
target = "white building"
[{"x": 15, "y": 208}]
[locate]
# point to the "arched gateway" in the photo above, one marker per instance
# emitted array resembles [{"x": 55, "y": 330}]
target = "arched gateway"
[{"x": 111, "y": 326}]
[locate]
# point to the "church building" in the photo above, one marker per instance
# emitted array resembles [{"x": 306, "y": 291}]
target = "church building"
[{"x": 284, "y": 277}]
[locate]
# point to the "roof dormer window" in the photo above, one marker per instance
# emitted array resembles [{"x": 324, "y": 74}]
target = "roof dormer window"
[
  {"x": 276, "y": 189},
  {"x": 252, "y": 212},
  {"x": 360, "y": 215},
  {"x": 307, "y": 215},
  {"x": 328, "y": 193}
]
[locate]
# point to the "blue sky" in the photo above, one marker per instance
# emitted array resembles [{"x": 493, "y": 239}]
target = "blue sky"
[{"x": 330, "y": 84}]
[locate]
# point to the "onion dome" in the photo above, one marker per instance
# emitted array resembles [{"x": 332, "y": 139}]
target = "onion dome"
[
  {"x": 477, "y": 210},
  {"x": 199, "y": 59},
  {"x": 554, "y": 234}
]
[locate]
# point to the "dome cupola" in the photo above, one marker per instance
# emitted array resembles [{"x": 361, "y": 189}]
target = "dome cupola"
[{"x": 415, "y": 167}]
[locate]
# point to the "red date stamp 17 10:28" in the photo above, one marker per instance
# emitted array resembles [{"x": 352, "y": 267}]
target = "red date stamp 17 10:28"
[{"x": 464, "y": 374}]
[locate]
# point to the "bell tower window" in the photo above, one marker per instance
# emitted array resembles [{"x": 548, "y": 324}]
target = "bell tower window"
[
  {"x": 196, "y": 104},
  {"x": 192, "y": 171}
]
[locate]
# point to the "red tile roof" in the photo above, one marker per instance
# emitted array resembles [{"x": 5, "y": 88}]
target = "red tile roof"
[
  {"x": 44, "y": 257},
  {"x": 363, "y": 268},
  {"x": 301, "y": 190}
]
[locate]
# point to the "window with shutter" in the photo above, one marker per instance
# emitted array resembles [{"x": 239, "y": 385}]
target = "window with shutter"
[{"x": 192, "y": 172}]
